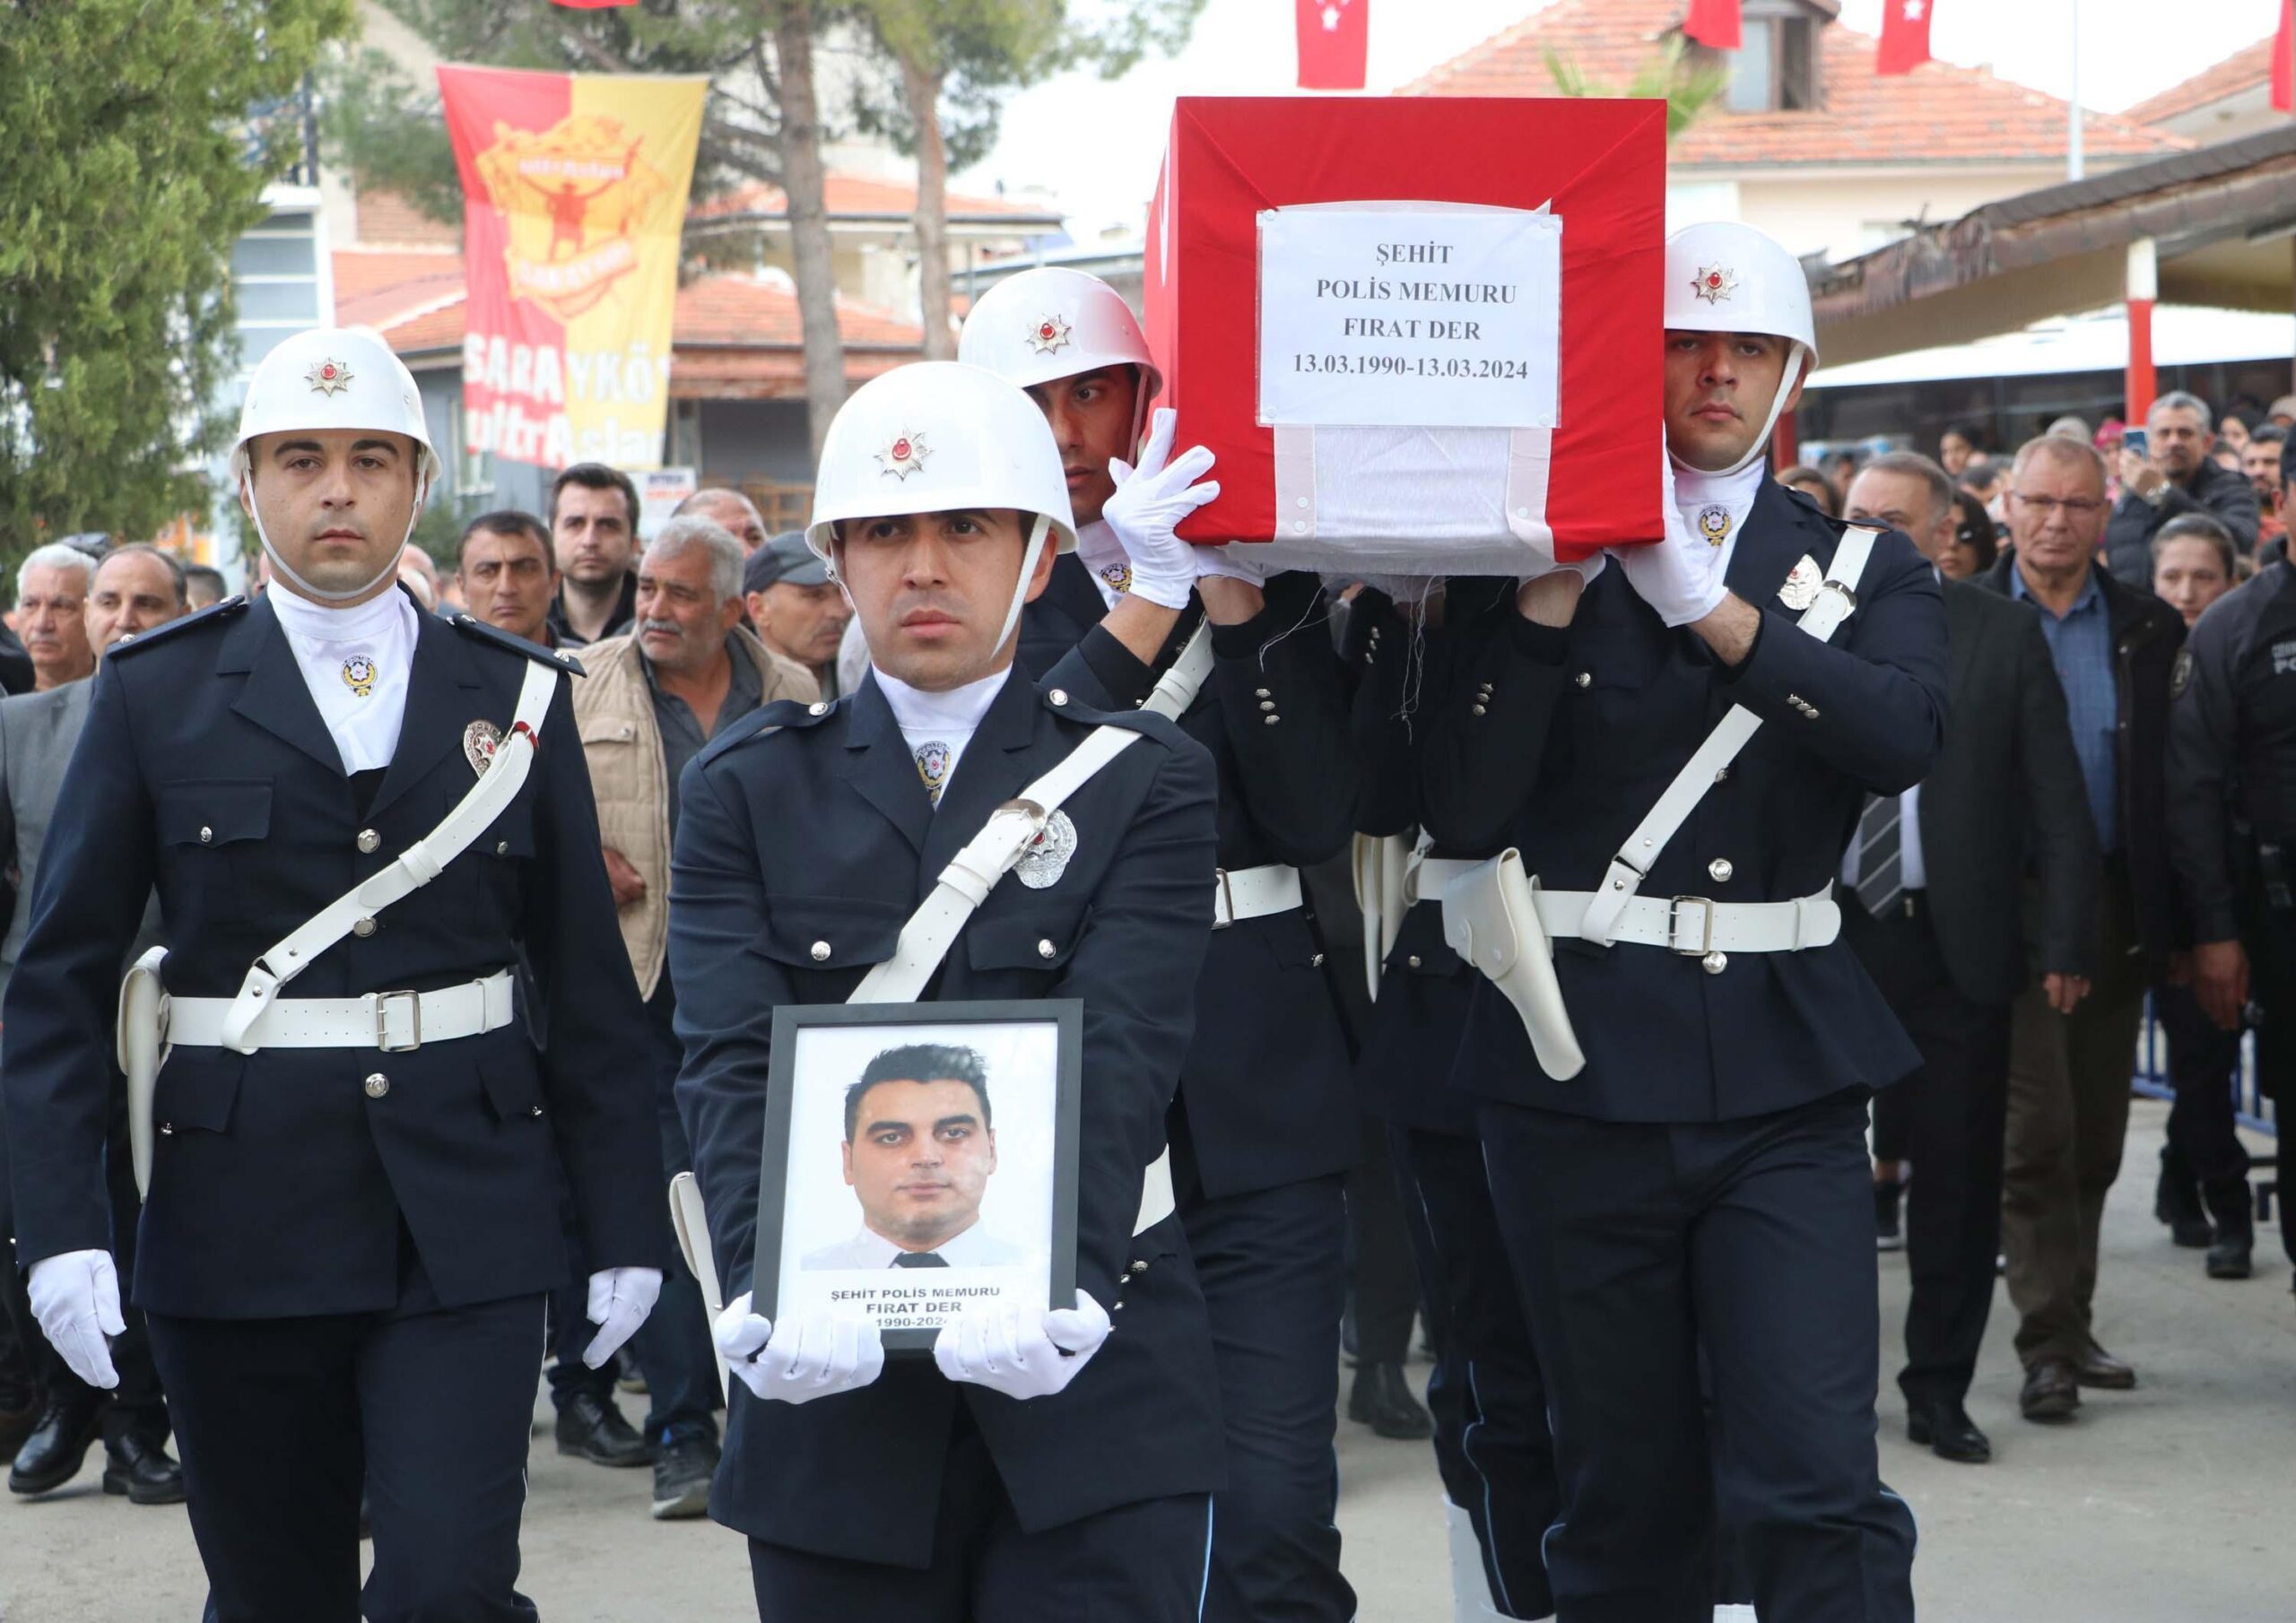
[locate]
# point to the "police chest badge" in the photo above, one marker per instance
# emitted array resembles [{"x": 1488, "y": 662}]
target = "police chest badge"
[
  {"x": 1802, "y": 585},
  {"x": 1047, "y": 857},
  {"x": 1118, "y": 577},
  {"x": 359, "y": 674},
  {"x": 1714, "y": 522},
  {"x": 480, "y": 741}
]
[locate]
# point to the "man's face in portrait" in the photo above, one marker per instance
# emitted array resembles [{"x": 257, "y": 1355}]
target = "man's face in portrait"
[{"x": 918, "y": 1159}]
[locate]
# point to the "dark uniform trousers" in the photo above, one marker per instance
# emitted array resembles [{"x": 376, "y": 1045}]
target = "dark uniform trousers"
[
  {"x": 2204, "y": 1135},
  {"x": 1701, "y": 1186},
  {"x": 1485, "y": 1394},
  {"x": 1264, "y": 1126},
  {"x": 1948, "y": 1117},
  {"x": 804, "y": 842},
  {"x": 344, "y": 1253}
]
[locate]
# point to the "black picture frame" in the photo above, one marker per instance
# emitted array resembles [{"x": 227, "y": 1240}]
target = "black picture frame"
[{"x": 791, "y": 1022}]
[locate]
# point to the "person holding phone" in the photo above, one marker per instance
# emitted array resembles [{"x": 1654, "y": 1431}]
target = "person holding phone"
[{"x": 2165, "y": 471}]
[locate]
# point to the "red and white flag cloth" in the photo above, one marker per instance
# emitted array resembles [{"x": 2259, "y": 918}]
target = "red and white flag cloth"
[
  {"x": 1334, "y": 41},
  {"x": 1905, "y": 35},
  {"x": 1714, "y": 22},
  {"x": 2283, "y": 69}
]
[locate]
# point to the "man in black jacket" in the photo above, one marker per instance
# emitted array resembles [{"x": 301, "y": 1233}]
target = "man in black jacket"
[
  {"x": 2174, "y": 476},
  {"x": 2068, "y": 1072},
  {"x": 1937, "y": 873}
]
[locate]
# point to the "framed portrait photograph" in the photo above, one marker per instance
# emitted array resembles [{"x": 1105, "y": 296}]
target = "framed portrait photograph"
[{"x": 920, "y": 1157}]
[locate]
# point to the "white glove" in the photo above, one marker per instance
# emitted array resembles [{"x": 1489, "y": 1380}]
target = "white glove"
[
  {"x": 75, "y": 1297},
  {"x": 620, "y": 1301},
  {"x": 814, "y": 1355},
  {"x": 1680, "y": 577},
  {"x": 1149, "y": 504},
  {"x": 1018, "y": 1351}
]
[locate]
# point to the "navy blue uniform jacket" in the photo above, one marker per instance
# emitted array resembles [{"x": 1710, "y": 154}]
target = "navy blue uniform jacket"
[
  {"x": 1581, "y": 732},
  {"x": 279, "y": 1187},
  {"x": 1265, "y": 1097},
  {"x": 801, "y": 828}
]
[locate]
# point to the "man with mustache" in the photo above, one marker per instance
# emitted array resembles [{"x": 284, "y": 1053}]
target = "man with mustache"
[
  {"x": 1690, "y": 1208},
  {"x": 686, "y": 671},
  {"x": 51, "y": 603},
  {"x": 373, "y": 840}
]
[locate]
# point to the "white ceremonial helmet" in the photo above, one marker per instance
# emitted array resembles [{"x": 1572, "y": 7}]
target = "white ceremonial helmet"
[
  {"x": 1051, "y": 321},
  {"x": 938, "y": 437},
  {"x": 1725, "y": 277},
  {"x": 334, "y": 377}
]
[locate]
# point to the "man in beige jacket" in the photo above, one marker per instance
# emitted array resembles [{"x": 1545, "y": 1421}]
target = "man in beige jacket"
[{"x": 685, "y": 671}]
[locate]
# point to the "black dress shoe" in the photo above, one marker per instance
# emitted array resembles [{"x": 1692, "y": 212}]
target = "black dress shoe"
[
  {"x": 2176, "y": 1201},
  {"x": 683, "y": 1471},
  {"x": 2232, "y": 1257},
  {"x": 57, "y": 1447},
  {"x": 1382, "y": 1400},
  {"x": 2052, "y": 1390},
  {"x": 142, "y": 1472},
  {"x": 2101, "y": 1369},
  {"x": 592, "y": 1427},
  {"x": 1946, "y": 1426}
]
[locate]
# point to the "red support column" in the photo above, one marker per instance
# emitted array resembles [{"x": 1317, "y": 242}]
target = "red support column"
[
  {"x": 2143, "y": 288},
  {"x": 1785, "y": 444}
]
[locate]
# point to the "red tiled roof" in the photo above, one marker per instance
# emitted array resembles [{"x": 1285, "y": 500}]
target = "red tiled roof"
[
  {"x": 1939, "y": 113},
  {"x": 734, "y": 337},
  {"x": 2244, "y": 69},
  {"x": 849, "y": 197}
]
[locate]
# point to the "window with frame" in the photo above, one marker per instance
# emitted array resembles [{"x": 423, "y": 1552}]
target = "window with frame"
[{"x": 1775, "y": 68}]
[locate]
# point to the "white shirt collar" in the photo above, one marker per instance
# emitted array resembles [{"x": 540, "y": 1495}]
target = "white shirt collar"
[
  {"x": 958, "y": 710},
  {"x": 355, "y": 662}
]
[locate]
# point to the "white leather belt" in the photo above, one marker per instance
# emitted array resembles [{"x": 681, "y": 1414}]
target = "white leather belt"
[
  {"x": 1255, "y": 893},
  {"x": 395, "y": 1022},
  {"x": 1424, "y": 878},
  {"x": 1696, "y": 926}
]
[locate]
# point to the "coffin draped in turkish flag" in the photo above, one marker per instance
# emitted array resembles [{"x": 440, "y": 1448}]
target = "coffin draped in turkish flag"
[{"x": 1420, "y": 334}]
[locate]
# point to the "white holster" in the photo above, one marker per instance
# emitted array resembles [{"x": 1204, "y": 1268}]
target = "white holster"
[
  {"x": 1491, "y": 918},
  {"x": 142, "y": 1036}
]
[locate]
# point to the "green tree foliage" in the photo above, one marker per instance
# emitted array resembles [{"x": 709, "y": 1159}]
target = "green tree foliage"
[
  {"x": 1688, "y": 86},
  {"x": 137, "y": 153}
]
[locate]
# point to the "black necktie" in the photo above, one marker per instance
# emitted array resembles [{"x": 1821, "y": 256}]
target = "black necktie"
[
  {"x": 920, "y": 1259},
  {"x": 1880, "y": 854}
]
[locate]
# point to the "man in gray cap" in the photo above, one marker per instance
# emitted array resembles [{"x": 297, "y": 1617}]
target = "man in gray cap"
[{"x": 798, "y": 610}]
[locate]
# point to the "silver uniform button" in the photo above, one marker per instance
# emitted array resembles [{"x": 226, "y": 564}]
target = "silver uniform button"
[
  {"x": 1719, "y": 870},
  {"x": 818, "y": 708},
  {"x": 501, "y": 847},
  {"x": 1138, "y": 1266},
  {"x": 167, "y": 1130},
  {"x": 377, "y": 1085},
  {"x": 364, "y": 928},
  {"x": 206, "y": 835},
  {"x": 1412, "y": 960},
  {"x": 1714, "y": 963},
  {"x": 1478, "y": 711},
  {"x": 369, "y": 841},
  {"x": 1267, "y": 704},
  {"x": 1045, "y": 949},
  {"x": 1058, "y": 696},
  {"x": 1261, "y": 693},
  {"x": 1584, "y": 678},
  {"x": 537, "y": 1110},
  {"x": 820, "y": 952},
  {"x": 1271, "y": 720}
]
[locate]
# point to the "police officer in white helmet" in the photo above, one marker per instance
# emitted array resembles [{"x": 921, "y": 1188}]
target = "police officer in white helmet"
[
  {"x": 373, "y": 837},
  {"x": 1035, "y": 1465},
  {"x": 1680, "y": 748},
  {"x": 1266, "y": 1123}
]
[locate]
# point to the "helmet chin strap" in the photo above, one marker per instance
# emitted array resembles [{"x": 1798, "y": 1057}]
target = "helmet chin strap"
[
  {"x": 1786, "y": 381},
  {"x": 305, "y": 589},
  {"x": 1027, "y": 569}
]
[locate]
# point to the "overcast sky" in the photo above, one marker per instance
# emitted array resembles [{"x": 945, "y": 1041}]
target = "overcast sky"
[{"x": 1096, "y": 146}]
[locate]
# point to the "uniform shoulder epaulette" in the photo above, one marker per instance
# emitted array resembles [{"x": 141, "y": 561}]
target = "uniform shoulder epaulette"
[
  {"x": 214, "y": 613},
  {"x": 471, "y": 625},
  {"x": 769, "y": 718}
]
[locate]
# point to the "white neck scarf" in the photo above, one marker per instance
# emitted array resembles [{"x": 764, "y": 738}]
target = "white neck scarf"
[
  {"x": 1717, "y": 502},
  {"x": 355, "y": 662},
  {"x": 948, "y": 720}
]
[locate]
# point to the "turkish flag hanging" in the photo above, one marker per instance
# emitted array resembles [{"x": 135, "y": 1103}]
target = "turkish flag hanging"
[
  {"x": 2284, "y": 70},
  {"x": 1905, "y": 36},
  {"x": 1335, "y": 39},
  {"x": 1713, "y": 22}
]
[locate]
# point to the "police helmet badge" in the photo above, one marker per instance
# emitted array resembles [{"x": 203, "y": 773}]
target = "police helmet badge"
[
  {"x": 1802, "y": 585},
  {"x": 1714, "y": 522},
  {"x": 327, "y": 377},
  {"x": 1714, "y": 283},
  {"x": 1050, "y": 335},
  {"x": 481, "y": 740},
  {"x": 1047, "y": 857},
  {"x": 905, "y": 455},
  {"x": 359, "y": 674},
  {"x": 932, "y": 767}
]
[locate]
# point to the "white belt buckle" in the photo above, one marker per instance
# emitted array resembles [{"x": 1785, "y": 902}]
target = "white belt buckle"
[
  {"x": 1673, "y": 933},
  {"x": 382, "y": 1020}
]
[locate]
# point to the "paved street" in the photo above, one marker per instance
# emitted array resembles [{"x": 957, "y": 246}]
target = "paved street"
[{"x": 2157, "y": 1505}]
